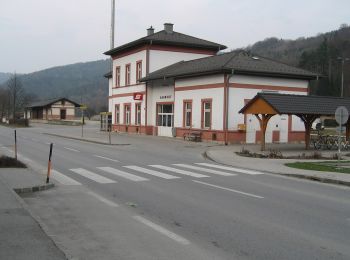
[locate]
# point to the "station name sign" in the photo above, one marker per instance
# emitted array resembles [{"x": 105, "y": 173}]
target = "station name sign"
[{"x": 138, "y": 96}]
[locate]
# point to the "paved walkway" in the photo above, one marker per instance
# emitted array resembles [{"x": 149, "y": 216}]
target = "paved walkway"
[
  {"x": 22, "y": 237},
  {"x": 227, "y": 155}
]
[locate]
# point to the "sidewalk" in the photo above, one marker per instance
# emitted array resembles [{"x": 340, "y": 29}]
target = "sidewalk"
[
  {"x": 227, "y": 155},
  {"x": 22, "y": 236}
]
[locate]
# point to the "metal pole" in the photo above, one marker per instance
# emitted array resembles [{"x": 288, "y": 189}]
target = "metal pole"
[
  {"x": 82, "y": 124},
  {"x": 112, "y": 22},
  {"x": 339, "y": 134},
  {"x": 16, "y": 145},
  {"x": 49, "y": 165},
  {"x": 342, "y": 77}
]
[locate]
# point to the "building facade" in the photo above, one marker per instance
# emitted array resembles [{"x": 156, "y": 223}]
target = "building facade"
[
  {"x": 171, "y": 84},
  {"x": 52, "y": 109}
]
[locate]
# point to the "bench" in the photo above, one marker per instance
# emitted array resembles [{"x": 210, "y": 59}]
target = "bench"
[{"x": 193, "y": 136}]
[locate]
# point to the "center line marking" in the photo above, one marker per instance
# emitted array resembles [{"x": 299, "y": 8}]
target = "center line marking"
[
  {"x": 162, "y": 230},
  {"x": 71, "y": 149},
  {"x": 228, "y": 189},
  {"x": 106, "y": 158}
]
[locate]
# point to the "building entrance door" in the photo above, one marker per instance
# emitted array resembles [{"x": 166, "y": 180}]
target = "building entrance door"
[
  {"x": 63, "y": 114},
  {"x": 165, "y": 119}
]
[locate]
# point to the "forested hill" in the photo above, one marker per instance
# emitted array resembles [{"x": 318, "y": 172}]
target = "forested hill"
[
  {"x": 4, "y": 77},
  {"x": 318, "y": 54}
]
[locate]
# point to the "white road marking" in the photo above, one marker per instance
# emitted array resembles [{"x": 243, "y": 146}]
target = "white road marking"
[
  {"x": 106, "y": 158},
  {"x": 171, "y": 169},
  {"x": 104, "y": 200},
  {"x": 230, "y": 168},
  {"x": 228, "y": 189},
  {"x": 92, "y": 176},
  {"x": 63, "y": 179},
  {"x": 205, "y": 170},
  {"x": 122, "y": 174},
  {"x": 151, "y": 172},
  {"x": 71, "y": 149},
  {"x": 162, "y": 230}
]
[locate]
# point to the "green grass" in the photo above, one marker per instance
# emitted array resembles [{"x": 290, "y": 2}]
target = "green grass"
[{"x": 333, "y": 166}]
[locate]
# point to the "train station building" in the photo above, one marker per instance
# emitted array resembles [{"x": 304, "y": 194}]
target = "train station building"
[{"x": 171, "y": 84}]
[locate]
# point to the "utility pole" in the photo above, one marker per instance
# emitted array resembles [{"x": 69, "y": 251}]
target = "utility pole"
[
  {"x": 342, "y": 59},
  {"x": 112, "y": 22}
]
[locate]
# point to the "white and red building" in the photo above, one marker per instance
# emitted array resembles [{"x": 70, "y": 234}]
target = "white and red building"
[{"x": 169, "y": 84}]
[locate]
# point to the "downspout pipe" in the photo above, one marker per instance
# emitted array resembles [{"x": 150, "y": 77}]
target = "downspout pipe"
[{"x": 227, "y": 87}]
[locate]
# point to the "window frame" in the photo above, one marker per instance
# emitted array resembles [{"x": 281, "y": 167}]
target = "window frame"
[
  {"x": 117, "y": 76},
  {"x": 204, "y": 101},
  {"x": 127, "y": 74},
  {"x": 117, "y": 112},
  {"x": 184, "y": 117},
  {"x": 138, "y": 118},
  {"x": 138, "y": 70},
  {"x": 125, "y": 114},
  {"x": 158, "y": 104}
]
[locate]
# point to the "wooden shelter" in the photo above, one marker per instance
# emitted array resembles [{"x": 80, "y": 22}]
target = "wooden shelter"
[{"x": 307, "y": 108}]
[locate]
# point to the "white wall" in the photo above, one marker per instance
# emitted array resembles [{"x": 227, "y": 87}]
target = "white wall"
[
  {"x": 160, "y": 59},
  {"x": 269, "y": 81},
  {"x": 154, "y": 95},
  {"x": 132, "y": 59},
  {"x": 203, "y": 80}
]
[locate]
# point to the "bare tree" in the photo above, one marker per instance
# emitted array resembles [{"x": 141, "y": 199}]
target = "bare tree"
[
  {"x": 16, "y": 95},
  {"x": 3, "y": 103}
]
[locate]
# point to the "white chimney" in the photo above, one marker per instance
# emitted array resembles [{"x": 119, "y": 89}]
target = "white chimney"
[
  {"x": 168, "y": 27},
  {"x": 150, "y": 31}
]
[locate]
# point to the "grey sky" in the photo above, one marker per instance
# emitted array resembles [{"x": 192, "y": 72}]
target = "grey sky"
[{"x": 38, "y": 34}]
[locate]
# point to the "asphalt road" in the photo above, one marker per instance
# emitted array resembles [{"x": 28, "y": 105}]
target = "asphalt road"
[{"x": 147, "y": 199}]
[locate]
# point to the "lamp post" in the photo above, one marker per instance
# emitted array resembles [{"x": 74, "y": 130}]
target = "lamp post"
[{"x": 342, "y": 59}]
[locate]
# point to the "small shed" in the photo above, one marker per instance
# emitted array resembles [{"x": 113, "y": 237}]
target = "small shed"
[
  {"x": 52, "y": 109},
  {"x": 307, "y": 108}
]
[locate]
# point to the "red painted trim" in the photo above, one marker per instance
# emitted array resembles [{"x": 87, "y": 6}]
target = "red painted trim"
[
  {"x": 129, "y": 52},
  {"x": 217, "y": 85},
  {"x": 129, "y": 94},
  {"x": 185, "y": 101},
  {"x": 205, "y": 100},
  {"x": 182, "y": 49},
  {"x": 266, "y": 87},
  {"x": 127, "y": 75},
  {"x": 131, "y": 85}
]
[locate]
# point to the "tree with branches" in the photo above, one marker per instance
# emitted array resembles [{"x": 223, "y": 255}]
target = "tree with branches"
[{"x": 16, "y": 96}]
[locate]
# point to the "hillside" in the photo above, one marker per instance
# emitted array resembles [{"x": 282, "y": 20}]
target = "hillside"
[
  {"x": 82, "y": 82},
  {"x": 318, "y": 54},
  {"x": 4, "y": 77}
]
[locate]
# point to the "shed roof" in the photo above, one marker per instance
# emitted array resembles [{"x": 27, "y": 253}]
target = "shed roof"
[
  {"x": 300, "y": 104},
  {"x": 47, "y": 102},
  {"x": 169, "y": 38},
  {"x": 239, "y": 61}
]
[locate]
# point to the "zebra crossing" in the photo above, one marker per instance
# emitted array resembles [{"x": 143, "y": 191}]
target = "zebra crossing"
[{"x": 137, "y": 173}]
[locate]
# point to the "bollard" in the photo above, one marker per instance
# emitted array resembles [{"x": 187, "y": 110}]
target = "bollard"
[
  {"x": 16, "y": 145},
  {"x": 49, "y": 165}
]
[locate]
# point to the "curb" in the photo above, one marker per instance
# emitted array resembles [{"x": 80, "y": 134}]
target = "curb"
[
  {"x": 299, "y": 176},
  {"x": 34, "y": 188},
  {"x": 81, "y": 139}
]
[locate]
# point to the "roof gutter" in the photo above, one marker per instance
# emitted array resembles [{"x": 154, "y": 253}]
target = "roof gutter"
[{"x": 226, "y": 103}]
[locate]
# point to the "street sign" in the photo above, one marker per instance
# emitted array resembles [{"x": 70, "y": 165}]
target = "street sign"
[
  {"x": 138, "y": 96},
  {"x": 341, "y": 115},
  {"x": 83, "y": 107}
]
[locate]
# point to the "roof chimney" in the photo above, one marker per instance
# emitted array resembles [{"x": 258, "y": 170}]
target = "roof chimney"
[
  {"x": 150, "y": 31},
  {"x": 168, "y": 27}
]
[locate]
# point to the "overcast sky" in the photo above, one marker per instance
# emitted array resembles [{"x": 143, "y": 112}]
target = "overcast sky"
[{"x": 38, "y": 34}]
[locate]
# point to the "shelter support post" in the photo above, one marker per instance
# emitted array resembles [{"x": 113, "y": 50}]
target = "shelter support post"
[
  {"x": 263, "y": 120},
  {"x": 347, "y": 131},
  {"x": 308, "y": 120}
]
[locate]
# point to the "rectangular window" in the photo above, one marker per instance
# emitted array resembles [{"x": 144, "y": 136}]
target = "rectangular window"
[
  {"x": 117, "y": 114},
  {"x": 127, "y": 74},
  {"x": 206, "y": 114},
  {"x": 127, "y": 114},
  {"x": 165, "y": 115},
  {"x": 187, "y": 113},
  {"x": 117, "y": 76},
  {"x": 138, "y": 114},
  {"x": 138, "y": 70}
]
